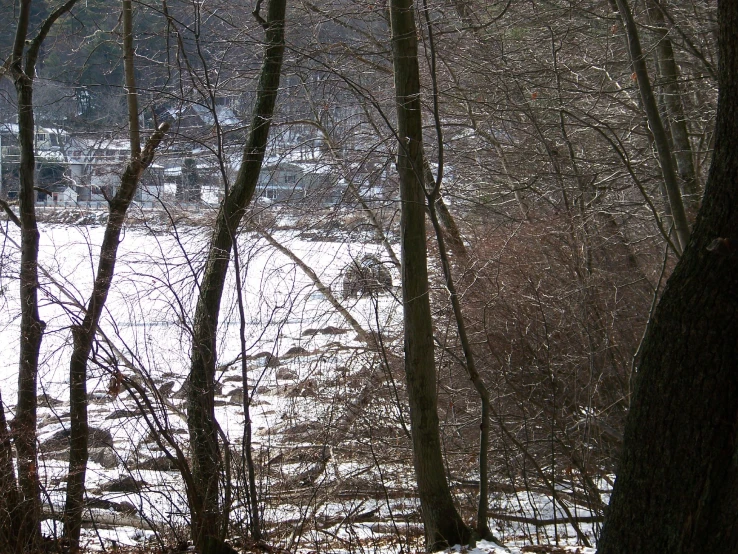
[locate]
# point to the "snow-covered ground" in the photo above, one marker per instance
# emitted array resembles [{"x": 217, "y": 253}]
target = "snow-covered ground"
[{"x": 308, "y": 373}]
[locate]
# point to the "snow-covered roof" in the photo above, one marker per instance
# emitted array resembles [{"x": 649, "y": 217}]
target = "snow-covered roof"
[{"x": 224, "y": 113}]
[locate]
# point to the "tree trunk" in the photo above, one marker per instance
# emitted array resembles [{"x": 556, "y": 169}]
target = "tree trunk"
[
  {"x": 24, "y": 423},
  {"x": 443, "y": 526},
  {"x": 677, "y": 485},
  {"x": 208, "y": 521},
  {"x": 678, "y": 213},
  {"x": 8, "y": 488},
  {"x": 675, "y": 113},
  {"x": 84, "y": 334},
  {"x": 26, "y": 523}
]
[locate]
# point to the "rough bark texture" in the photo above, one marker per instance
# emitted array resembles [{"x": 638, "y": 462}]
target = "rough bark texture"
[
  {"x": 8, "y": 486},
  {"x": 24, "y": 423},
  {"x": 443, "y": 526},
  {"x": 208, "y": 521},
  {"x": 677, "y": 485}
]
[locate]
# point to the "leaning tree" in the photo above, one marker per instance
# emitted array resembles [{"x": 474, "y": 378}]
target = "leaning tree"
[{"x": 677, "y": 484}]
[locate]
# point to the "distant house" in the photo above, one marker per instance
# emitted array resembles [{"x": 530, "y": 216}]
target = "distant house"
[
  {"x": 51, "y": 162},
  {"x": 310, "y": 183},
  {"x": 195, "y": 121},
  {"x": 59, "y": 195}
]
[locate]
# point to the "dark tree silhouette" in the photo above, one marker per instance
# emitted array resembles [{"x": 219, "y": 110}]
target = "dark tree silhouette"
[{"x": 677, "y": 485}]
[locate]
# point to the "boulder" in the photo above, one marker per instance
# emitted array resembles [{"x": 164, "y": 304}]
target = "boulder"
[
  {"x": 124, "y": 484},
  {"x": 105, "y": 456}
]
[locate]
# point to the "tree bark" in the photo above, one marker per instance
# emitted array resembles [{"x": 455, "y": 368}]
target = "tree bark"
[
  {"x": 8, "y": 487},
  {"x": 83, "y": 334},
  {"x": 678, "y": 213},
  {"x": 677, "y": 485},
  {"x": 208, "y": 520},
  {"x": 443, "y": 526},
  {"x": 675, "y": 112},
  {"x": 25, "y": 517}
]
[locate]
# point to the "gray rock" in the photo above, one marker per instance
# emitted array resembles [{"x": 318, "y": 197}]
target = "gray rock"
[
  {"x": 331, "y": 330},
  {"x": 161, "y": 463},
  {"x": 98, "y": 438},
  {"x": 296, "y": 351},
  {"x": 286, "y": 374},
  {"x": 123, "y": 414},
  {"x": 166, "y": 389},
  {"x": 46, "y": 401},
  {"x": 236, "y": 396},
  {"x": 104, "y": 456},
  {"x": 120, "y": 507},
  {"x": 124, "y": 484},
  {"x": 181, "y": 394}
]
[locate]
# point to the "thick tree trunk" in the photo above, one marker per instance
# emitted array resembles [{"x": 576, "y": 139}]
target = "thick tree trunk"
[
  {"x": 208, "y": 521},
  {"x": 443, "y": 526},
  {"x": 677, "y": 485}
]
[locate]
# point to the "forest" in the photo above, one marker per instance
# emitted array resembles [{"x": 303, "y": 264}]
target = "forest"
[{"x": 368, "y": 276}]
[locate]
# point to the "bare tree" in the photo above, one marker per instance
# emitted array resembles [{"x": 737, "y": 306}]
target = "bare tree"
[
  {"x": 84, "y": 332},
  {"x": 443, "y": 526},
  {"x": 209, "y": 522},
  {"x": 25, "y": 516}
]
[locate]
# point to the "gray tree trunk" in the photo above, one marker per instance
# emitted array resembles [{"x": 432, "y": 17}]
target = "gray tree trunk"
[
  {"x": 208, "y": 520},
  {"x": 443, "y": 526},
  {"x": 83, "y": 334},
  {"x": 25, "y": 516},
  {"x": 671, "y": 184},
  {"x": 675, "y": 113}
]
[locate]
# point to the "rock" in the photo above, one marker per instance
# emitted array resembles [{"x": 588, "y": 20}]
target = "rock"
[
  {"x": 98, "y": 438},
  {"x": 271, "y": 361},
  {"x": 331, "y": 330},
  {"x": 48, "y": 419},
  {"x": 161, "y": 463},
  {"x": 99, "y": 397},
  {"x": 166, "y": 389},
  {"x": 124, "y": 484},
  {"x": 285, "y": 373},
  {"x": 105, "y": 456},
  {"x": 122, "y": 414},
  {"x": 366, "y": 277},
  {"x": 183, "y": 391},
  {"x": 46, "y": 401},
  {"x": 310, "y": 332},
  {"x": 181, "y": 394},
  {"x": 236, "y": 396},
  {"x": 120, "y": 507},
  {"x": 296, "y": 351},
  {"x": 58, "y": 441}
]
